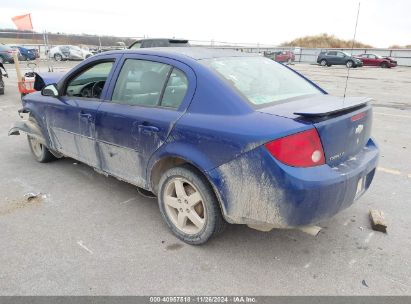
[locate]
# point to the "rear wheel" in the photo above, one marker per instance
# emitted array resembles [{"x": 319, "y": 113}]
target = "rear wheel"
[
  {"x": 324, "y": 62},
  {"x": 189, "y": 206}
]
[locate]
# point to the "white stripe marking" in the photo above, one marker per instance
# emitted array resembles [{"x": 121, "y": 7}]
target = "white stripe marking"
[
  {"x": 367, "y": 240},
  {"x": 129, "y": 200},
  {"x": 80, "y": 243},
  {"x": 393, "y": 115},
  {"x": 390, "y": 171}
]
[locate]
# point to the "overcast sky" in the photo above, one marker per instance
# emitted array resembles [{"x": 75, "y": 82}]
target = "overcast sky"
[{"x": 381, "y": 22}]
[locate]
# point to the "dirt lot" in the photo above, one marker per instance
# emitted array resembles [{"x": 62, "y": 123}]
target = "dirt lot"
[{"x": 88, "y": 234}]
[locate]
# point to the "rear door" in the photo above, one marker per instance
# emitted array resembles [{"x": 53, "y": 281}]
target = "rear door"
[
  {"x": 71, "y": 118},
  {"x": 148, "y": 97}
]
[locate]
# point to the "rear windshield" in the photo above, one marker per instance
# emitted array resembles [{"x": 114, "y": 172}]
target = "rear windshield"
[{"x": 261, "y": 80}]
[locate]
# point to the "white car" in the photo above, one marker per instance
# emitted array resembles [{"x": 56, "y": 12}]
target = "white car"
[{"x": 68, "y": 52}]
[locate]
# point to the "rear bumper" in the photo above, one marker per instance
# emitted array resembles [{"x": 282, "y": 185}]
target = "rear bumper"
[{"x": 256, "y": 189}]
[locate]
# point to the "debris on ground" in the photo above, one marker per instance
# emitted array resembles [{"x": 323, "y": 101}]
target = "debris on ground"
[
  {"x": 378, "y": 221},
  {"x": 34, "y": 197},
  {"x": 312, "y": 230},
  {"x": 365, "y": 283}
]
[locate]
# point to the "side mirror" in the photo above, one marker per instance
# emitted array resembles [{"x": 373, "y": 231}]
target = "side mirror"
[{"x": 50, "y": 90}]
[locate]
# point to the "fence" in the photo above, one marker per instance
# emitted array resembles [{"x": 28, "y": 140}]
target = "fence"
[{"x": 307, "y": 55}]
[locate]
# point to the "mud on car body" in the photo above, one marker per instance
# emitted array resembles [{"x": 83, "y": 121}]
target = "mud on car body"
[{"x": 218, "y": 136}]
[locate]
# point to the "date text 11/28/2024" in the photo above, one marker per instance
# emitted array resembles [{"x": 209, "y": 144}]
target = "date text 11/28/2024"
[{"x": 203, "y": 299}]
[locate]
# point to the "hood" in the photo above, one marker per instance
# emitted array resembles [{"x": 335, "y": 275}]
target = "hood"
[
  {"x": 43, "y": 79},
  {"x": 389, "y": 58}
]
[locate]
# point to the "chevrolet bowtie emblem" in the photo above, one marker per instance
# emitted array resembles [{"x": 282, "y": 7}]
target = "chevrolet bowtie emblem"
[{"x": 359, "y": 129}]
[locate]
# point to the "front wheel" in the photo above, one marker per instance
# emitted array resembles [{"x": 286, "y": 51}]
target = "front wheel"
[
  {"x": 349, "y": 64},
  {"x": 58, "y": 57},
  {"x": 384, "y": 65},
  {"x": 40, "y": 151},
  {"x": 189, "y": 206}
]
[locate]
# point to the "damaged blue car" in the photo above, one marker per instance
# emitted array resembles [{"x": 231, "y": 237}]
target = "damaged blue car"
[{"x": 218, "y": 136}]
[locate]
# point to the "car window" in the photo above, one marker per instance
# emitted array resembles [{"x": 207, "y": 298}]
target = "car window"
[
  {"x": 140, "y": 83},
  {"x": 260, "y": 80},
  {"x": 340, "y": 54},
  {"x": 159, "y": 43},
  {"x": 136, "y": 45},
  {"x": 175, "y": 90},
  {"x": 90, "y": 83},
  {"x": 372, "y": 56},
  {"x": 332, "y": 53}
]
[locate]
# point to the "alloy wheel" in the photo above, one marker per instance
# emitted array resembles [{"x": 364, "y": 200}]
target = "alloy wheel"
[{"x": 184, "y": 206}]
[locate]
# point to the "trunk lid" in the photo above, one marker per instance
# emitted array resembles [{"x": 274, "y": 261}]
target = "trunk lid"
[{"x": 343, "y": 124}]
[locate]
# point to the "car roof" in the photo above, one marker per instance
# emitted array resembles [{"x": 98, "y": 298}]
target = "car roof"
[{"x": 196, "y": 53}]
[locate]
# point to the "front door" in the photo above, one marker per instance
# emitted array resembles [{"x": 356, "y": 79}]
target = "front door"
[
  {"x": 71, "y": 117},
  {"x": 135, "y": 121}
]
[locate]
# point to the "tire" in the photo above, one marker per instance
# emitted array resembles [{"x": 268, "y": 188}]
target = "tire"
[
  {"x": 176, "y": 187},
  {"x": 1, "y": 86},
  {"x": 349, "y": 64},
  {"x": 324, "y": 62},
  {"x": 40, "y": 152},
  {"x": 384, "y": 65},
  {"x": 58, "y": 57}
]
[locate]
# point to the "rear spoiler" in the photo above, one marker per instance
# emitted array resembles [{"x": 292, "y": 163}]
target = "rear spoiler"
[{"x": 329, "y": 106}]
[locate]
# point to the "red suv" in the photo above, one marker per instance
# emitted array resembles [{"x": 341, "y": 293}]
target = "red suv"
[
  {"x": 281, "y": 56},
  {"x": 376, "y": 60}
]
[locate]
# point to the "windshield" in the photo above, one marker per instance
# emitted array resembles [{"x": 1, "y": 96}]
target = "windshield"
[
  {"x": 261, "y": 80},
  {"x": 136, "y": 45}
]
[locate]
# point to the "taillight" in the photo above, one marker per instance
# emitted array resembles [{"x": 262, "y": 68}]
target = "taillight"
[
  {"x": 302, "y": 149},
  {"x": 358, "y": 116}
]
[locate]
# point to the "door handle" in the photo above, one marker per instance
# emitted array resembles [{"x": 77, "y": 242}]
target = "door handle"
[
  {"x": 88, "y": 116},
  {"x": 148, "y": 129}
]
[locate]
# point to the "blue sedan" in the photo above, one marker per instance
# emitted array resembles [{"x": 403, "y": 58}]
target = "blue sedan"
[{"x": 218, "y": 136}]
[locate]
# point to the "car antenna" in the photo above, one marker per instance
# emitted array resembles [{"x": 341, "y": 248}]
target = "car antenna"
[{"x": 352, "y": 48}]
